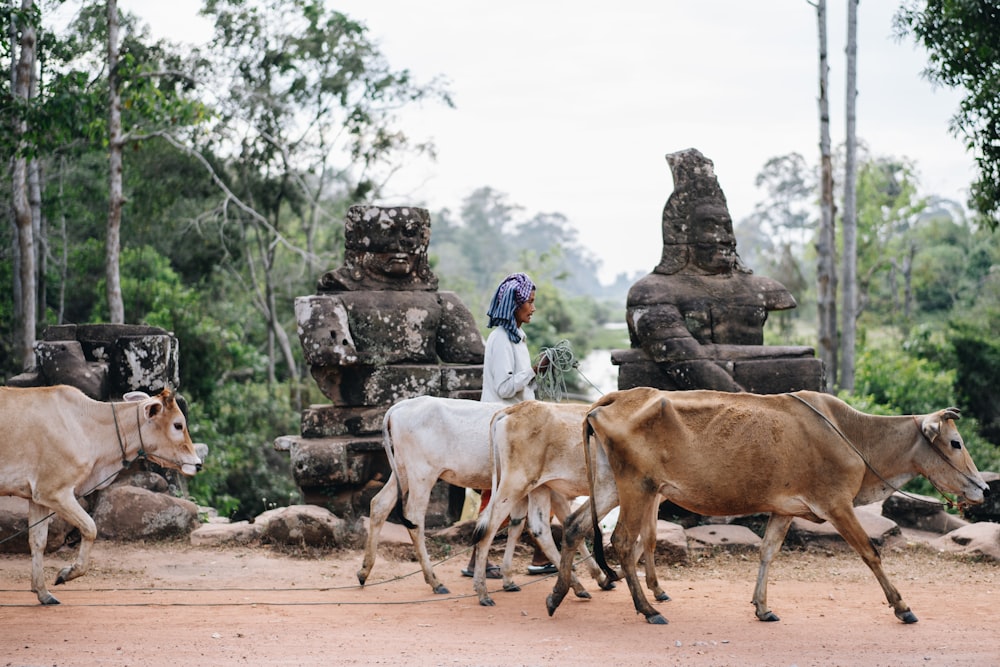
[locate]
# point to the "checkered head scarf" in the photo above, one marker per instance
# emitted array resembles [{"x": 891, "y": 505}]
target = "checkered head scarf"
[{"x": 513, "y": 291}]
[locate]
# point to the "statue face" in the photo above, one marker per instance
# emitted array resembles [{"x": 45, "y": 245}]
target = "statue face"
[
  {"x": 391, "y": 244},
  {"x": 712, "y": 239}
]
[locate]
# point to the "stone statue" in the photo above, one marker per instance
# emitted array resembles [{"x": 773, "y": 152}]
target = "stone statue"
[
  {"x": 377, "y": 331},
  {"x": 697, "y": 321}
]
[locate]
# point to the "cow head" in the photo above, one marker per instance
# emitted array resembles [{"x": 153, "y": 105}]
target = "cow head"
[
  {"x": 953, "y": 469},
  {"x": 164, "y": 432}
]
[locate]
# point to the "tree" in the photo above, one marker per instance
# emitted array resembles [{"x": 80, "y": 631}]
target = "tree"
[
  {"x": 307, "y": 125},
  {"x": 826, "y": 238},
  {"x": 963, "y": 43},
  {"x": 23, "y": 87},
  {"x": 849, "y": 287},
  {"x": 116, "y": 308}
]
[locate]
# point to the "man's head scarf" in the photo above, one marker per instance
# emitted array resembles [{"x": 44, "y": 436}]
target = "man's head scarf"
[{"x": 513, "y": 291}]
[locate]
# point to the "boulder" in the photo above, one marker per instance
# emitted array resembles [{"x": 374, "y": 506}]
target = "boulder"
[
  {"x": 129, "y": 513},
  {"x": 925, "y": 513},
  {"x": 221, "y": 534},
  {"x": 980, "y": 540},
  {"x": 730, "y": 537},
  {"x": 303, "y": 526},
  {"x": 14, "y": 528}
]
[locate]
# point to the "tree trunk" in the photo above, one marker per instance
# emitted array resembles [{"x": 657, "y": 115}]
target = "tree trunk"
[
  {"x": 850, "y": 270},
  {"x": 116, "y": 307},
  {"x": 826, "y": 246},
  {"x": 21, "y": 201}
]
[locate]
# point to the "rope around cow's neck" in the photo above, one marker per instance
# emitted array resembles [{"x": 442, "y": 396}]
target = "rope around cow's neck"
[
  {"x": 122, "y": 444},
  {"x": 948, "y": 501}
]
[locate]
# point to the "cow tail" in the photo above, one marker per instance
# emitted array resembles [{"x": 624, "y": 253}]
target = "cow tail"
[
  {"x": 400, "y": 487},
  {"x": 588, "y": 431},
  {"x": 484, "y": 517}
]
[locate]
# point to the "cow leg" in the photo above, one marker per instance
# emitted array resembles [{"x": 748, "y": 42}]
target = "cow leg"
[
  {"x": 774, "y": 537},
  {"x": 67, "y": 506},
  {"x": 576, "y": 528},
  {"x": 518, "y": 517},
  {"x": 543, "y": 533},
  {"x": 485, "y": 530},
  {"x": 648, "y": 543},
  {"x": 415, "y": 510},
  {"x": 636, "y": 506},
  {"x": 846, "y": 523},
  {"x": 381, "y": 506},
  {"x": 38, "y": 535}
]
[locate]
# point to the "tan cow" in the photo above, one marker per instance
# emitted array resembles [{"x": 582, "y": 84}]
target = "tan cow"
[
  {"x": 58, "y": 445},
  {"x": 535, "y": 446},
  {"x": 805, "y": 454}
]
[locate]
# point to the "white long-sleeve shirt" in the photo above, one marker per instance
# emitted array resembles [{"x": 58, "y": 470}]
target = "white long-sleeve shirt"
[{"x": 507, "y": 374}]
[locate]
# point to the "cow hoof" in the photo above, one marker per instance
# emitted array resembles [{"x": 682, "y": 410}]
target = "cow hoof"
[
  {"x": 907, "y": 617},
  {"x": 362, "y": 578},
  {"x": 512, "y": 588},
  {"x": 656, "y": 619},
  {"x": 608, "y": 585},
  {"x": 583, "y": 595},
  {"x": 48, "y": 599},
  {"x": 441, "y": 589},
  {"x": 552, "y": 603},
  {"x": 768, "y": 617},
  {"x": 662, "y": 597},
  {"x": 487, "y": 602}
]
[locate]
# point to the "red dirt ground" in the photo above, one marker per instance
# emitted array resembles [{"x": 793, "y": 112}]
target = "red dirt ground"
[{"x": 172, "y": 604}]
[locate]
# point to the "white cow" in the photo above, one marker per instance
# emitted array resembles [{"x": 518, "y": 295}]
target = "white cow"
[
  {"x": 428, "y": 438},
  {"x": 538, "y": 446},
  {"x": 58, "y": 444}
]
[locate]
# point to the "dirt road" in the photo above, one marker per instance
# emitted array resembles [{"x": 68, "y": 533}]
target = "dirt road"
[{"x": 172, "y": 604}]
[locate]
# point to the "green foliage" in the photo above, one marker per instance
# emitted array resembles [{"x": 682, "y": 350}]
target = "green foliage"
[
  {"x": 243, "y": 475},
  {"x": 904, "y": 383},
  {"x": 963, "y": 43}
]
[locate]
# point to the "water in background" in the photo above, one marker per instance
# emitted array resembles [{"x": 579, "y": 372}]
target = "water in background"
[{"x": 597, "y": 368}]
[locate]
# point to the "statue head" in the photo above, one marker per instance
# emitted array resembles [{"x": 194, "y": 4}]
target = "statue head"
[
  {"x": 697, "y": 228},
  {"x": 385, "y": 248}
]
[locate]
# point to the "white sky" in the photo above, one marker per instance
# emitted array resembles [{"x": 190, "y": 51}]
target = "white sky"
[{"x": 569, "y": 106}]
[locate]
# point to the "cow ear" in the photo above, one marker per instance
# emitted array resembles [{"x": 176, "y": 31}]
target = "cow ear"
[
  {"x": 135, "y": 396},
  {"x": 153, "y": 408},
  {"x": 931, "y": 426}
]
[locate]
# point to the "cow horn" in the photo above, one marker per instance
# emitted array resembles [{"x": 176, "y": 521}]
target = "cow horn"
[{"x": 951, "y": 413}]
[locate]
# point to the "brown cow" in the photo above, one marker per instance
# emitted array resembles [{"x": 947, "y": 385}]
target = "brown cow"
[
  {"x": 58, "y": 445},
  {"x": 804, "y": 454}
]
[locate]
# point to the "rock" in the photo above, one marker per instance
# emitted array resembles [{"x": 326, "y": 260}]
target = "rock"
[
  {"x": 128, "y": 513},
  {"x": 220, "y": 534},
  {"x": 990, "y": 509},
  {"x": 302, "y": 525},
  {"x": 920, "y": 512},
  {"x": 981, "y": 540},
  {"x": 671, "y": 543},
  {"x": 14, "y": 528},
  {"x": 730, "y": 537}
]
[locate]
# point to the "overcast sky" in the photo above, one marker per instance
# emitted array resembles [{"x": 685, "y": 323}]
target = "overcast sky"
[{"x": 569, "y": 106}]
